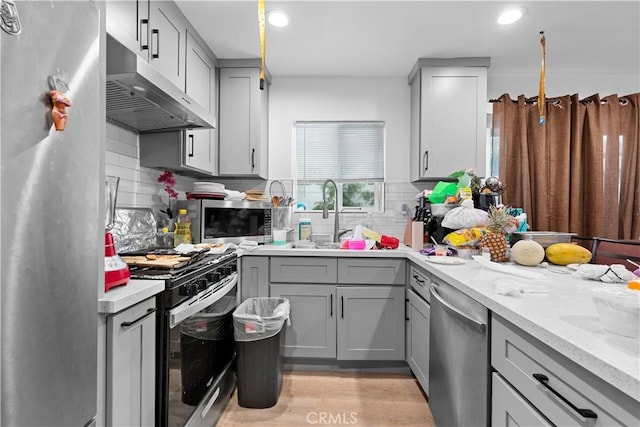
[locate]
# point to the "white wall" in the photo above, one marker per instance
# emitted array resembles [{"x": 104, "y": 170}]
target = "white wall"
[{"x": 338, "y": 98}]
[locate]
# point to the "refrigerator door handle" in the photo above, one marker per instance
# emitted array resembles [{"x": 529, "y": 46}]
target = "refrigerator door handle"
[
  {"x": 149, "y": 312},
  {"x": 451, "y": 309}
]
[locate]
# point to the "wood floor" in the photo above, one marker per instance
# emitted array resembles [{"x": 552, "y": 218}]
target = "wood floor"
[{"x": 338, "y": 399}]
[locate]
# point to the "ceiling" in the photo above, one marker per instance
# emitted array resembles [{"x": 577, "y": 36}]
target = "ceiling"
[{"x": 384, "y": 38}]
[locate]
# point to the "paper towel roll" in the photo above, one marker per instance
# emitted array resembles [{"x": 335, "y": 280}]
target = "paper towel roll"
[{"x": 417, "y": 235}]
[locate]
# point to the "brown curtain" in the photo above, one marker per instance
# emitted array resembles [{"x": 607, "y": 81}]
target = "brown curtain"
[{"x": 580, "y": 170}]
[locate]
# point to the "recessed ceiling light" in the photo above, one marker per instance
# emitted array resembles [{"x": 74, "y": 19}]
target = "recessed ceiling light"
[
  {"x": 512, "y": 15},
  {"x": 278, "y": 18}
]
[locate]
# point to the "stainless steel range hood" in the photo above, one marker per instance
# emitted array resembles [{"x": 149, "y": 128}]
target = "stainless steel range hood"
[{"x": 141, "y": 99}]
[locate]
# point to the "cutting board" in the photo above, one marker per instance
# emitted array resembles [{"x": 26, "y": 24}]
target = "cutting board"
[{"x": 168, "y": 263}]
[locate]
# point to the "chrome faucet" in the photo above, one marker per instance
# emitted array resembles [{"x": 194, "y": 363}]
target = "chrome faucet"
[{"x": 325, "y": 210}]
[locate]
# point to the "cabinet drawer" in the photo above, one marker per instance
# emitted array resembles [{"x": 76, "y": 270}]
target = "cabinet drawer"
[
  {"x": 518, "y": 356},
  {"x": 371, "y": 271},
  {"x": 419, "y": 281},
  {"x": 304, "y": 270},
  {"x": 509, "y": 408}
]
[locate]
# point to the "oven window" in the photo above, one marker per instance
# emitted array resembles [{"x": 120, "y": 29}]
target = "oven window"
[
  {"x": 230, "y": 222},
  {"x": 200, "y": 347}
]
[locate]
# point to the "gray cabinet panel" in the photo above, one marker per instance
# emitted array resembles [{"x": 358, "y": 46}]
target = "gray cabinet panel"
[
  {"x": 517, "y": 356},
  {"x": 304, "y": 270},
  {"x": 254, "y": 277},
  {"x": 370, "y": 323},
  {"x": 312, "y": 332},
  {"x": 167, "y": 41},
  {"x": 419, "y": 281},
  {"x": 418, "y": 311},
  {"x": 508, "y": 408},
  {"x": 131, "y": 366},
  {"x": 370, "y": 271}
]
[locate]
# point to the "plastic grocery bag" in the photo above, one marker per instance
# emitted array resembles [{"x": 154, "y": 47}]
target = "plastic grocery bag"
[
  {"x": 465, "y": 216},
  {"x": 260, "y": 318},
  {"x": 442, "y": 190}
]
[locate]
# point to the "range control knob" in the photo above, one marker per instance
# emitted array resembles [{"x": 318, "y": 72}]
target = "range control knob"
[
  {"x": 203, "y": 284},
  {"x": 213, "y": 277},
  {"x": 189, "y": 289}
]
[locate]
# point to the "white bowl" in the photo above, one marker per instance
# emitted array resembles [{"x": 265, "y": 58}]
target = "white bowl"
[{"x": 619, "y": 310}]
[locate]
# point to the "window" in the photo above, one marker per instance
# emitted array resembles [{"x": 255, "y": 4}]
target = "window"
[{"x": 349, "y": 153}]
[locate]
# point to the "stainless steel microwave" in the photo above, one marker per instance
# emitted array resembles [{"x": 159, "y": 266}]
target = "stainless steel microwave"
[{"x": 225, "y": 221}]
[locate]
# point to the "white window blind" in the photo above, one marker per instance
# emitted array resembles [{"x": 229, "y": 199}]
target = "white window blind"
[{"x": 343, "y": 151}]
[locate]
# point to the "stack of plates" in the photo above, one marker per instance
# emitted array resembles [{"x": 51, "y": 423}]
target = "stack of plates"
[
  {"x": 208, "y": 187},
  {"x": 256, "y": 195},
  {"x": 207, "y": 190}
]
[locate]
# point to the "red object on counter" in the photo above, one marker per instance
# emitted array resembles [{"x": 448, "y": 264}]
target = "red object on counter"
[
  {"x": 116, "y": 271},
  {"x": 389, "y": 242}
]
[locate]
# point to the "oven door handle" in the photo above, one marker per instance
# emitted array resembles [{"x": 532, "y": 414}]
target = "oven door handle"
[{"x": 201, "y": 301}]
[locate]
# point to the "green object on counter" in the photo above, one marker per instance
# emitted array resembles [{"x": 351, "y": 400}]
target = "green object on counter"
[{"x": 442, "y": 190}]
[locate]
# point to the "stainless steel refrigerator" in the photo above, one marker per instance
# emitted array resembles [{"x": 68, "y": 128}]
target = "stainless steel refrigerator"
[{"x": 51, "y": 215}]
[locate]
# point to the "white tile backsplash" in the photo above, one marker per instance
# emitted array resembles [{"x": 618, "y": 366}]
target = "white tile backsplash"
[{"x": 139, "y": 188}]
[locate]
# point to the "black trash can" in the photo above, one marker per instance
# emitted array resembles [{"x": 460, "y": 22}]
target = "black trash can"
[
  {"x": 260, "y": 334},
  {"x": 206, "y": 346}
]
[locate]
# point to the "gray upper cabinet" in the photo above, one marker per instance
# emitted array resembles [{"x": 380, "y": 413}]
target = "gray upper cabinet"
[
  {"x": 189, "y": 152},
  {"x": 370, "y": 323},
  {"x": 243, "y": 123},
  {"x": 128, "y": 22},
  {"x": 448, "y": 116},
  {"x": 200, "y": 151},
  {"x": 167, "y": 41}
]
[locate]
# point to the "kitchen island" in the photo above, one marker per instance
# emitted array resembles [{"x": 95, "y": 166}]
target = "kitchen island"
[{"x": 563, "y": 318}]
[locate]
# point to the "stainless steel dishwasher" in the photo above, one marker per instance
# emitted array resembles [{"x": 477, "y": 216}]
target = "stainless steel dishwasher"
[{"x": 459, "y": 386}]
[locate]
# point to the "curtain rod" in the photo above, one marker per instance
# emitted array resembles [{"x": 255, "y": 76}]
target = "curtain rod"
[{"x": 531, "y": 101}]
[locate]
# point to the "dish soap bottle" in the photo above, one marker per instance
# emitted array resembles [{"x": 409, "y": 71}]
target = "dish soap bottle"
[
  {"x": 182, "y": 233},
  {"x": 304, "y": 229}
]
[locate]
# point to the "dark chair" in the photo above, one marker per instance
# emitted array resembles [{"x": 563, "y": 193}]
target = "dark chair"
[{"x": 611, "y": 251}]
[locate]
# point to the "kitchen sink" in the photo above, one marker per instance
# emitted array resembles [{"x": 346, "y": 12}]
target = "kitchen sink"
[{"x": 315, "y": 245}]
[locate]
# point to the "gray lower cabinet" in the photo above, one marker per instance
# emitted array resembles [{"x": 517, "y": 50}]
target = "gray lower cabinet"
[
  {"x": 554, "y": 386},
  {"x": 370, "y": 323},
  {"x": 344, "y": 320},
  {"x": 418, "y": 311},
  {"x": 254, "y": 277},
  {"x": 131, "y": 355},
  {"x": 510, "y": 409},
  {"x": 313, "y": 320}
]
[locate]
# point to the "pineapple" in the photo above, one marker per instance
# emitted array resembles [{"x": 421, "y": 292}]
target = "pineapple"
[{"x": 499, "y": 222}]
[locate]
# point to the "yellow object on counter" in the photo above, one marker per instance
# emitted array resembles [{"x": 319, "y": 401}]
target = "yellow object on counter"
[
  {"x": 370, "y": 234},
  {"x": 634, "y": 284},
  {"x": 567, "y": 253}
]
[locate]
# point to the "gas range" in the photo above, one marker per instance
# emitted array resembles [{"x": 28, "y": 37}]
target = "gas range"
[
  {"x": 194, "y": 375},
  {"x": 183, "y": 283}
]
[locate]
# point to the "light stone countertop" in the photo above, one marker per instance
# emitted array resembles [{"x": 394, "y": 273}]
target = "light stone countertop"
[
  {"x": 565, "y": 318},
  {"x": 122, "y": 297}
]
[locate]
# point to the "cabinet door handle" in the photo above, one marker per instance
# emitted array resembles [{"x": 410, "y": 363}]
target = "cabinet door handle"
[
  {"x": 191, "y": 144},
  {"x": 585, "y": 413},
  {"x": 331, "y": 305},
  {"x": 253, "y": 158},
  {"x": 155, "y": 32},
  {"x": 420, "y": 282},
  {"x": 342, "y": 307},
  {"x": 144, "y": 35},
  {"x": 425, "y": 160},
  {"x": 149, "y": 312}
]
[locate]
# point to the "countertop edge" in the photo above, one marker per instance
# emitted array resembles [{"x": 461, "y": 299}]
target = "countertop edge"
[{"x": 123, "y": 297}]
